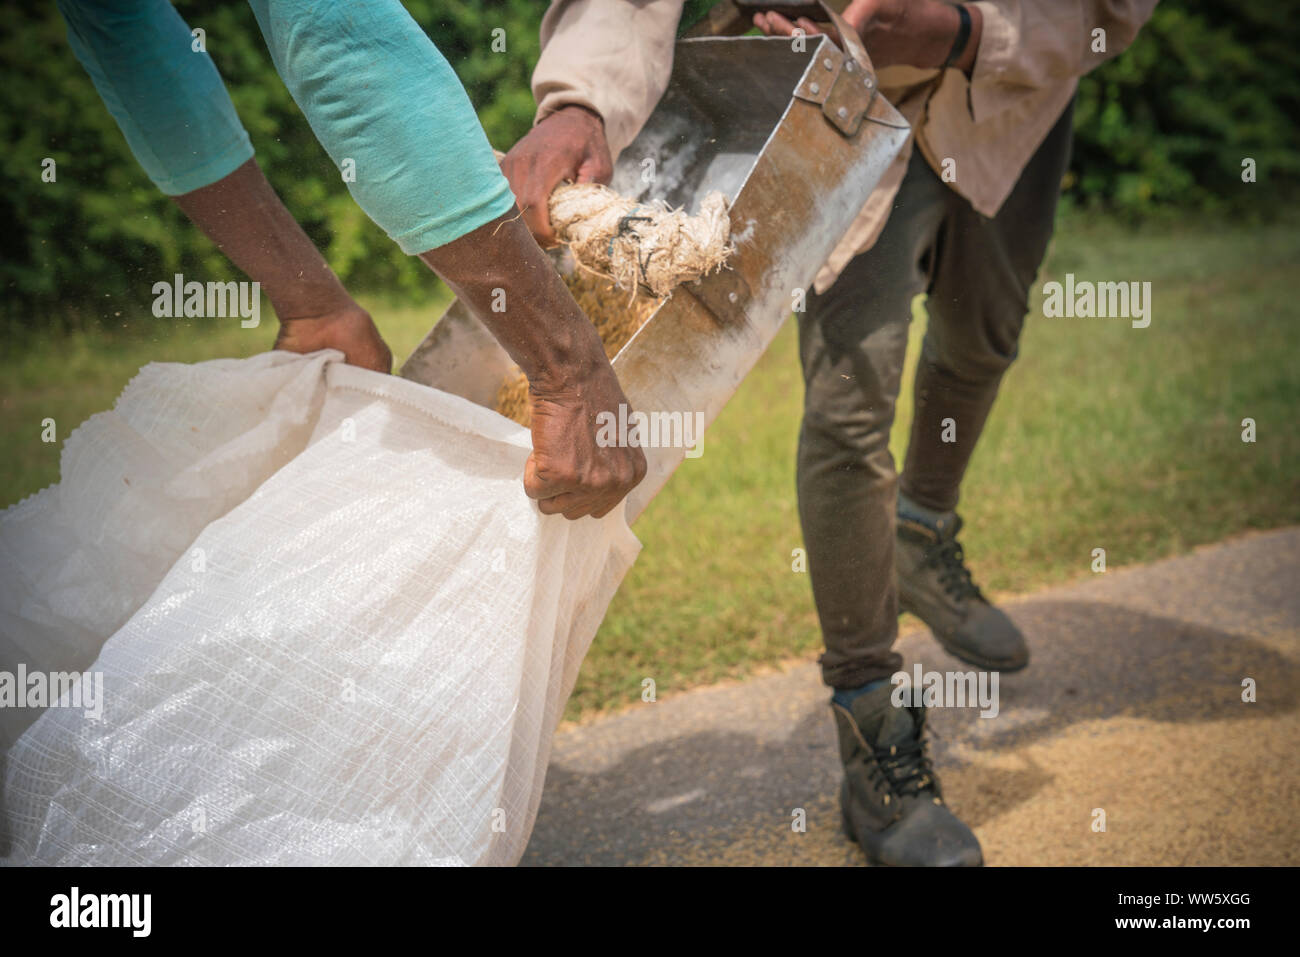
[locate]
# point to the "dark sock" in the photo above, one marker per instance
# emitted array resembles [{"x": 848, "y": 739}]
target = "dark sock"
[
  {"x": 844, "y": 696},
  {"x": 915, "y": 510}
]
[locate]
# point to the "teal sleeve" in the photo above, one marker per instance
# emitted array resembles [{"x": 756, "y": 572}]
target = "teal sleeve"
[
  {"x": 379, "y": 94},
  {"x": 167, "y": 99}
]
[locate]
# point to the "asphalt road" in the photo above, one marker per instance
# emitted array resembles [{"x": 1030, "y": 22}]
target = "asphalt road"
[{"x": 1132, "y": 704}]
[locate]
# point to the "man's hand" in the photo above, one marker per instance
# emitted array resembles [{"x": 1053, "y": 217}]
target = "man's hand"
[
  {"x": 569, "y": 145},
  {"x": 895, "y": 32},
  {"x": 510, "y": 284},
  {"x": 247, "y": 221},
  {"x": 349, "y": 330},
  {"x": 569, "y": 472}
]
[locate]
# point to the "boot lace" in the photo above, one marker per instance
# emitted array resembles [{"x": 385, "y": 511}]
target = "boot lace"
[
  {"x": 907, "y": 767},
  {"x": 948, "y": 558}
]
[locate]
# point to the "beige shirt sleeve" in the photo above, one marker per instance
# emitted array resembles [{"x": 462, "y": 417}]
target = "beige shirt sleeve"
[
  {"x": 1030, "y": 45},
  {"x": 611, "y": 56}
]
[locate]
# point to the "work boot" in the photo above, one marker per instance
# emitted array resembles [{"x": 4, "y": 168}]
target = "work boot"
[
  {"x": 935, "y": 585},
  {"x": 890, "y": 799}
]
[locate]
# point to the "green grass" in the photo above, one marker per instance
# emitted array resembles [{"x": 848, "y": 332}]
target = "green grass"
[{"x": 1103, "y": 436}]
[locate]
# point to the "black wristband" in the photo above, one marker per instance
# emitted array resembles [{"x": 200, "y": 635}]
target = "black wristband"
[{"x": 963, "y": 37}]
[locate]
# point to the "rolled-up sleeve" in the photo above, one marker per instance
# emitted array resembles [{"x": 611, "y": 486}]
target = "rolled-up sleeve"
[
  {"x": 1032, "y": 44},
  {"x": 390, "y": 112},
  {"x": 166, "y": 96},
  {"x": 611, "y": 56}
]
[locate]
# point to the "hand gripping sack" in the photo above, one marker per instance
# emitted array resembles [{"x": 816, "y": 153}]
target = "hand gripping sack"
[{"x": 330, "y": 627}]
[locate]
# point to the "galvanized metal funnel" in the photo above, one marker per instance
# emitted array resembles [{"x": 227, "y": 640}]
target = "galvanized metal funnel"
[{"x": 797, "y": 140}]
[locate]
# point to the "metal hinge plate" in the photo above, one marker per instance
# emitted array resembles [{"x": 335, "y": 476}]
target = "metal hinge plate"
[{"x": 841, "y": 87}]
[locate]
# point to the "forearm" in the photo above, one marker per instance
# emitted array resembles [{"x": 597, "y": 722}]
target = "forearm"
[
  {"x": 921, "y": 34},
  {"x": 512, "y": 286},
  {"x": 242, "y": 214}
]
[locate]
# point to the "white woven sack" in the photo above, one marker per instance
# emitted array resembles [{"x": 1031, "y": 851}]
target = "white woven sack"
[{"x": 331, "y": 627}]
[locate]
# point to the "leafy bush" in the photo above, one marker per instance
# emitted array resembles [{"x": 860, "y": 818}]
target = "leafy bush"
[
  {"x": 89, "y": 246},
  {"x": 1165, "y": 125},
  {"x": 1207, "y": 84}
]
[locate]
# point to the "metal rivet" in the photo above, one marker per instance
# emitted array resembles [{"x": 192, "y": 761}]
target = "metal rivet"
[
  {"x": 732, "y": 297},
  {"x": 868, "y": 82},
  {"x": 827, "y": 63},
  {"x": 841, "y": 112},
  {"x": 848, "y": 67},
  {"x": 816, "y": 87}
]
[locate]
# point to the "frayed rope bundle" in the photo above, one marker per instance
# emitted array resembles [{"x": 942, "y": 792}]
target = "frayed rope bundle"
[
  {"x": 621, "y": 245},
  {"x": 647, "y": 243}
]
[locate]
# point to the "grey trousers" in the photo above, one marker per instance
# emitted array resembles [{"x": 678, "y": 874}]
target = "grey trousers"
[{"x": 852, "y": 340}]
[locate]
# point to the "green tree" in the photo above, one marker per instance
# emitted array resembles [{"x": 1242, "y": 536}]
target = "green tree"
[
  {"x": 88, "y": 246},
  {"x": 1166, "y": 125}
]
